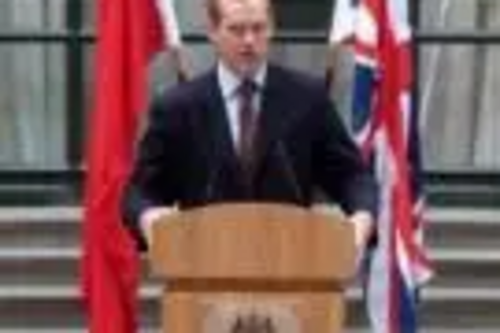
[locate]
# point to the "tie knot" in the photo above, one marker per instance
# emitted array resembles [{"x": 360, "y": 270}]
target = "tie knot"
[{"x": 247, "y": 88}]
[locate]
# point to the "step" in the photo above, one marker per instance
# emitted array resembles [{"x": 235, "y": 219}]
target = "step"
[
  {"x": 40, "y": 226},
  {"x": 461, "y": 176},
  {"x": 59, "y": 306},
  {"x": 51, "y": 266},
  {"x": 152, "y": 290},
  {"x": 464, "y": 195},
  {"x": 463, "y": 188},
  {"x": 21, "y": 195},
  {"x": 454, "y": 267},
  {"x": 70, "y": 292},
  {"x": 51, "y": 306},
  {"x": 74, "y": 213},
  {"x": 432, "y": 330},
  {"x": 463, "y": 227},
  {"x": 53, "y": 232},
  {"x": 156, "y": 330},
  {"x": 61, "y": 227},
  {"x": 466, "y": 268},
  {"x": 453, "y": 308},
  {"x": 30, "y": 214},
  {"x": 21, "y": 188}
]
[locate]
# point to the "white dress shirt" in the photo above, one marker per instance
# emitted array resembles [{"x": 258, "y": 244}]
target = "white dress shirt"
[{"x": 229, "y": 84}]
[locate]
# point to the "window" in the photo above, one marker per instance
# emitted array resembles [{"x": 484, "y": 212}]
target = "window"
[{"x": 301, "y": 15}]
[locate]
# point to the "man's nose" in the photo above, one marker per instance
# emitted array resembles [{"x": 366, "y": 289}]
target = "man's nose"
[{"x": 249, "y": 36}]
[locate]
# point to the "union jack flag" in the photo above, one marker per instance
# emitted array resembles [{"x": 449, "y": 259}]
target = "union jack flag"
[{"x": 385, "y": 125}]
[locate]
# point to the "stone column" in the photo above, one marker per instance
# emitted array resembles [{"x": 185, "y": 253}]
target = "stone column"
[
  {"x": 448, "y": 90},
  {"x": 31, "y": 113},
  {"x": 487, "y": 144},
  {"x": 8, "y": 138}
]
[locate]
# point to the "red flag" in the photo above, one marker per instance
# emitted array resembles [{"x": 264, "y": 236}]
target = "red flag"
[{"x": 128, "y": 34}]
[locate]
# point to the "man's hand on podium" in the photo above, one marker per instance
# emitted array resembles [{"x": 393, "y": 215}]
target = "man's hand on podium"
[
  {"x": 152, "y": 216},
  {"x": 364, "y": 226}
]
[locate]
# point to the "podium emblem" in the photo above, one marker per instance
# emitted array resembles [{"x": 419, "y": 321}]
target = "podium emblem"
[
  {"x": 250, "y": 317},
  {"x": 253, "y": 323}
]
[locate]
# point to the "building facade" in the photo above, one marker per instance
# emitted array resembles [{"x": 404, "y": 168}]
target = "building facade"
[{"x": 46, "y": 69}]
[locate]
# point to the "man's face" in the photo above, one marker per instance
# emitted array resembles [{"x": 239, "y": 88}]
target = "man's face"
[{"x": 241, "y": 35}]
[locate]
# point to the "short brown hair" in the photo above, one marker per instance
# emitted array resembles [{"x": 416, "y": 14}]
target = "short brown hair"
[{"x": 214, "y": 14}]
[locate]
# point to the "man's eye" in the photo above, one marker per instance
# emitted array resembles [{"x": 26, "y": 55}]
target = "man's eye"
[
  {"x": 242, "y": 29},
  {"x": 258, "y": 28},
  {"x": 237, "y": 29}
]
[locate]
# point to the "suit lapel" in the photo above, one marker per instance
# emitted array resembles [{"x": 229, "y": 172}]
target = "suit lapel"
[
  {"x": 221, "y": 146},
  {"x": 276, "y": 115},
  {"x": 217, "y": 115}
]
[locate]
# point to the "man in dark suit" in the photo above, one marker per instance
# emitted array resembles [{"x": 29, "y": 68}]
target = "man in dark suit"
[{"x": 247, "y": 130}]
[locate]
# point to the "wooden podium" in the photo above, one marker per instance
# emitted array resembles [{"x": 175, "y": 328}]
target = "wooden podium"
[{"x": 241, "y": 268}]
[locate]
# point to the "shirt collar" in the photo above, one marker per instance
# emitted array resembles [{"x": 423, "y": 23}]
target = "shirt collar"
[{"x": 229, "y": 81}]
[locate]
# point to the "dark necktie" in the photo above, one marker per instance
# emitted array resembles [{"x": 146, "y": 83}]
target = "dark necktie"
[{"x": 247, "y": 118}]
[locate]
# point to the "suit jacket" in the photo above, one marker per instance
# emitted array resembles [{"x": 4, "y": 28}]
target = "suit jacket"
[{"x": 187, "y": 156}]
